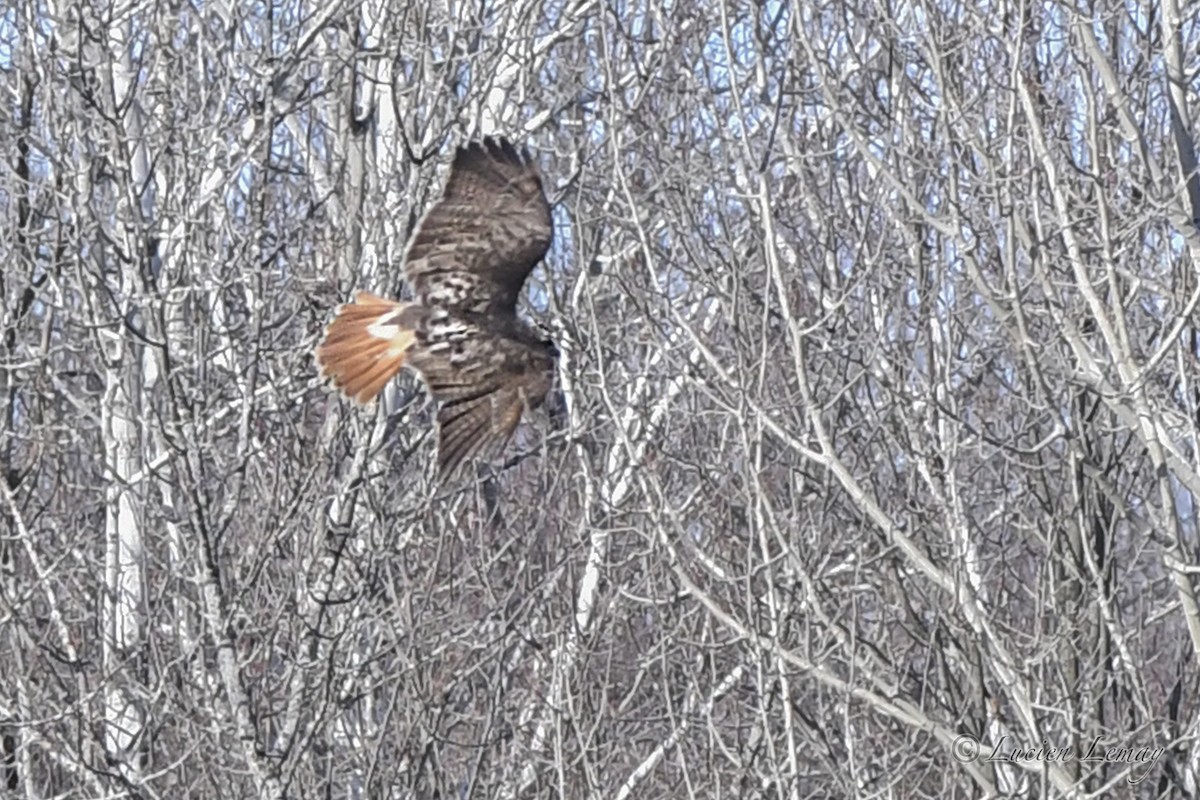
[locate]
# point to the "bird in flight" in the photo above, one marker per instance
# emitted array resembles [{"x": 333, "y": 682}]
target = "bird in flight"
[{"x": 466, "y": 264}]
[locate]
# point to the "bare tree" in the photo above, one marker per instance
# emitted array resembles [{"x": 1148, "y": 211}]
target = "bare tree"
[{"x": 870, "y": 471}]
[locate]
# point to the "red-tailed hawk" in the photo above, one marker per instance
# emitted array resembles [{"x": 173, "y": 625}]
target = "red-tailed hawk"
[{"x": 466, "y": 264}]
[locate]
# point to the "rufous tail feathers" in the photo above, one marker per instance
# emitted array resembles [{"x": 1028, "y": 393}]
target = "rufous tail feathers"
[{"x": 366, "y": 345}]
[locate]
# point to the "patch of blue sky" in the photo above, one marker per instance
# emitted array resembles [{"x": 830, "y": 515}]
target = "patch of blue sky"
[
  {"x": 778, "y": 13},
  {"x": 463, "y": 79},
  {"x": 721, "y": 205},
  {"x": 551, "y": 17},
  {"x": 715, "y": 63},
  {"x": 8, "y": 36},
  {"x": 704, "y": 125},
  {"x": 287, "y": 19},
  {"x": 742, "y": 41},
  {"x": 1185, "y": 508},
  {"x": 595, "y": 77},
  {"x": 564, "y": 234},
  {"x": 239, "y": 191},
  {"x": 1176, "y": 243},
  {"x": 634, "y": 18},
  {"x": 138, "y": 38}
]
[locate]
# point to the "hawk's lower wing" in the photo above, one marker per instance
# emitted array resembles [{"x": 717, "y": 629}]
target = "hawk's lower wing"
[
  {"x": 477, "y": 428},
  {"x": 483, "y": 381}
]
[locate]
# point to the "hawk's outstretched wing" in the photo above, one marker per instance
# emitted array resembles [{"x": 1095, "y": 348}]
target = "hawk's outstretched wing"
[{"x": 476, "y": 246}]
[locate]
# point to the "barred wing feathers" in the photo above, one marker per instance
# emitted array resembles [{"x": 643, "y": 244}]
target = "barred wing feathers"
[
  {"x": 482, "y": 382},
  {"x": 476, "y": 246}
]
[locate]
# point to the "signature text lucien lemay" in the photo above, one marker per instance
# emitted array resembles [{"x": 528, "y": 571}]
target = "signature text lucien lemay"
[{"x": 1140, "y": 760}]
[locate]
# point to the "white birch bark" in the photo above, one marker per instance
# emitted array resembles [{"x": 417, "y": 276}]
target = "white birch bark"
[{"x": 124, "y": 602}]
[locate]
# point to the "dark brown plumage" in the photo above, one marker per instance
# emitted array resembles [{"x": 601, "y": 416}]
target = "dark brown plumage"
[{"x": 466, "y": 263}]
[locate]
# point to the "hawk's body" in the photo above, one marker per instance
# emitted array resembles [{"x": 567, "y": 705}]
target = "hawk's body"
[{"x": 466, "y": 263}]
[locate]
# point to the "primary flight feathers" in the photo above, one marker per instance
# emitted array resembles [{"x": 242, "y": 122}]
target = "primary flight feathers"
[{"x": 466, "y": 263}]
